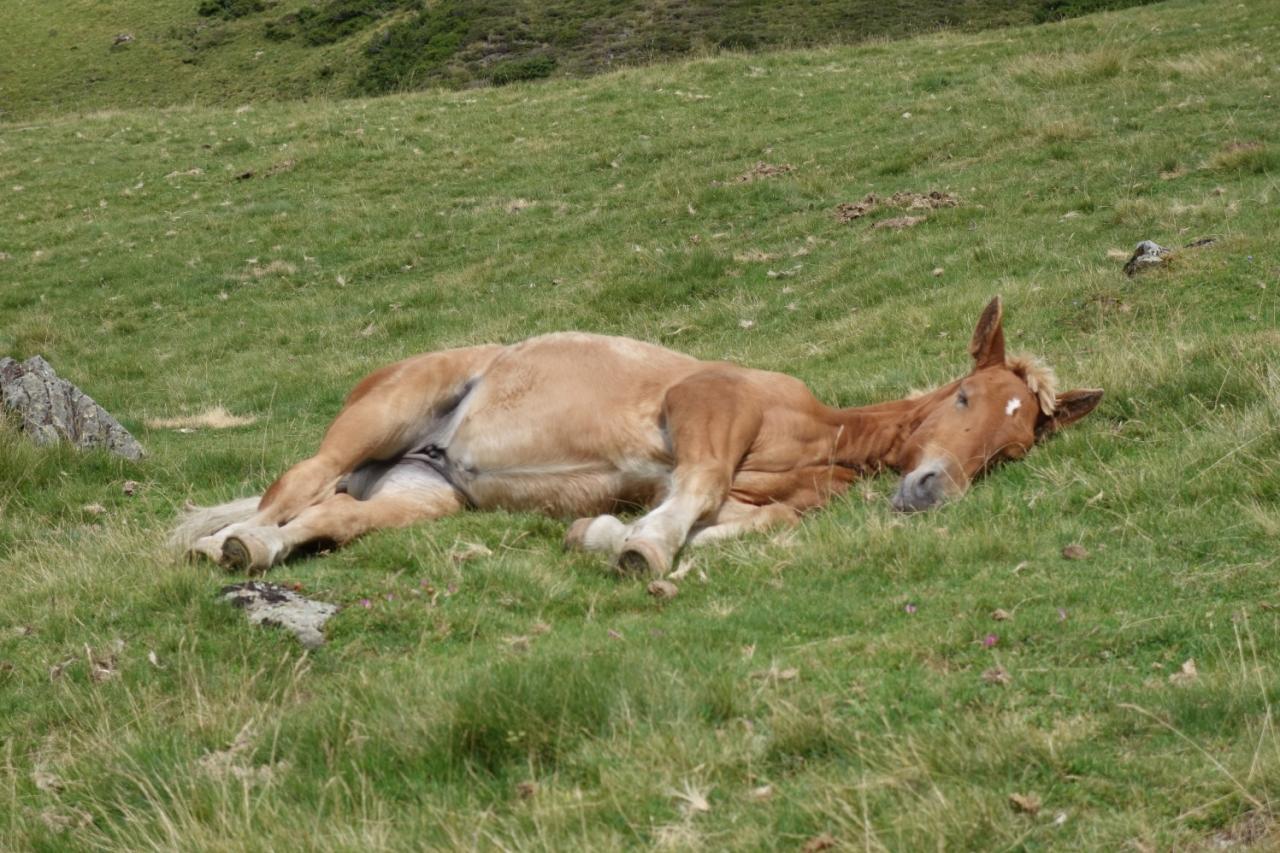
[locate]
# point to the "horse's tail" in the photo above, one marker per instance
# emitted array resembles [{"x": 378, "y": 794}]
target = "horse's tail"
[{"x": 205, "y": 520}]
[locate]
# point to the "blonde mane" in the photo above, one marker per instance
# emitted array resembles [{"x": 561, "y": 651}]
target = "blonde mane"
[{"x": 1039, "y": 377}]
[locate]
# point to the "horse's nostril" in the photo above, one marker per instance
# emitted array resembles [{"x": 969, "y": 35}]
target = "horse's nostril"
[{"x": 927, "y": 478}]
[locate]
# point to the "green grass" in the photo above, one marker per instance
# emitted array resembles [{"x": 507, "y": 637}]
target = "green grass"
[
  {"x": 64, "y": 56},
  {"x": 147, "y": 273}
]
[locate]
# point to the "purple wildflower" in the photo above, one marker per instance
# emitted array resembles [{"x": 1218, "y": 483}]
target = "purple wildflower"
[
  {"x": 910, "y": 608},
  {"x": 990, "y": 640}
]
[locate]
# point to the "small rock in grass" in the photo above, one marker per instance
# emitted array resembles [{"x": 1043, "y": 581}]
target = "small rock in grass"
[
  {"x": 661, "y": 589},
  {"x": 1187, "y": 674},
  {"x": 937, "y": 271},
  {"x": 271, "y": 604},
  {"x": 1074, "y": 551},
  {"x": 1000, "y": 615},
  {"x": 1146, "y": 255},
  {"x": 94, "y": 509},
  {"x": 130, "y": 487},
  {"x": 1025, "y": 803},
  {"x": 50, "y": 409},
  {"x": 764, "y": 792}
]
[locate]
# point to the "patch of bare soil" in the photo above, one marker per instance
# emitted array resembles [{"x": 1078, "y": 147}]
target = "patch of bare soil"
[
  {"x": 274, "y": 169},
  {"x": 851, "y": 210},
  {"x": 901, "y": 200},
  {"x": 924, "y": 201},
  {"x": 759, "y": 172}
]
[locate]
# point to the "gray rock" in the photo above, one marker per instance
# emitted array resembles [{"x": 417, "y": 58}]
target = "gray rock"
[
  {"x": 50, "y": 409},
  {"x": 1147, "y": 255},
  {"x": 271, "y": 604}
]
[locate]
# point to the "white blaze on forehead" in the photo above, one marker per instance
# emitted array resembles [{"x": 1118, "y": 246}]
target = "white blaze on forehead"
[{"x": 1013, "y": 405}]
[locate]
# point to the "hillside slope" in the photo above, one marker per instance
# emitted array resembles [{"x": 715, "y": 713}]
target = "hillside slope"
[
  {"x": 848, "y": 683},
  {"x": 79, "y": 55}
]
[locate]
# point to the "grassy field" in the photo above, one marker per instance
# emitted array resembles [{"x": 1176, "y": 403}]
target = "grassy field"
[
  {"x": 823, "y": 686},
  {"x": 62, "y": 56}
]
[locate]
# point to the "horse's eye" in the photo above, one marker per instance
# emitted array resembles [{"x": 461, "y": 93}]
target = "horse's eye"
[{"x": 962, "y": 399}]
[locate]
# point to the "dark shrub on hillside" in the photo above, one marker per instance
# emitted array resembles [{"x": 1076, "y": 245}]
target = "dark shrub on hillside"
[
  {"x": 281, "y": 30},
  {"x": 229, "y": 8},
  {"x": 1060, "y": 10},
  {"x": 525, "y": 68},
  {"x": 337, "y": 19},
  {"x": 412, "y": 52}
]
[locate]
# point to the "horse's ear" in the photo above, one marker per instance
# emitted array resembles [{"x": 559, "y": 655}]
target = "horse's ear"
[
  {"x": 987, "y": 346},
  {"x": 1070, "y": 407}
]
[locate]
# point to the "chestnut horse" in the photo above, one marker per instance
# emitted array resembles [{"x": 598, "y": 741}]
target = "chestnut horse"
[{"x": 578, "y": 425}]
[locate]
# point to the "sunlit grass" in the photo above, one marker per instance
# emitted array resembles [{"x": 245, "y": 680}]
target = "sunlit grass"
[{"x": 528, "y": 699}]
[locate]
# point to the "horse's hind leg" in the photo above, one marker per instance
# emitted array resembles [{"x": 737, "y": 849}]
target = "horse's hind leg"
[
  {"x": 382, "y": 418},
  {"x": 337, "y": 519}
]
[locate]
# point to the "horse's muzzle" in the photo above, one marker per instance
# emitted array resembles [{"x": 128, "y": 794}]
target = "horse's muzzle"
[{"x": 922, "y": 488}]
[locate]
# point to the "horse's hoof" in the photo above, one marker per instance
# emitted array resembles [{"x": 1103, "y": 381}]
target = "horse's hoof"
[
  {"x": 575, "y": 538},
  {"x": 245, "y": 554},
  {"x": 642, "y": 557}
]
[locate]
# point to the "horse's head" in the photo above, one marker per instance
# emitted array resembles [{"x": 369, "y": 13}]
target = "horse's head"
[{"x": 995, "y": 413}]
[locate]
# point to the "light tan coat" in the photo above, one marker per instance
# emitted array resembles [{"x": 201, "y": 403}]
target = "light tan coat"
[{"x": 583, "y": 426}]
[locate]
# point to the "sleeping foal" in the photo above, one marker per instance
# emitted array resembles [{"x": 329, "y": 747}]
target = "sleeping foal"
[{"x": 581, "y": 426}]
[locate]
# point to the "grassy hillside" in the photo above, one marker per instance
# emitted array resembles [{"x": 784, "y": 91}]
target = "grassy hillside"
[
  {"x": 70, "y": 55},
  {"x": 265, "y": 258}
]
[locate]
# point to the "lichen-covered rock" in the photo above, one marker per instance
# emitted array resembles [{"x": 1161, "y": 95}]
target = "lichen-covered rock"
[
  {"x": 270, "y": 604},
  {"x": 1146, "y": 255},
  {"x": 50, "y": 409}
]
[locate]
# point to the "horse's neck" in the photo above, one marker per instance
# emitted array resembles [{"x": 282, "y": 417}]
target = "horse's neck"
[{"x": 871, "y": 437}]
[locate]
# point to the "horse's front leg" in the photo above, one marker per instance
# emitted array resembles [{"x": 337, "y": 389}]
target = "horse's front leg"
[
  {"x": 712, "y": 419},
  {"x": 736, "y": 519}
]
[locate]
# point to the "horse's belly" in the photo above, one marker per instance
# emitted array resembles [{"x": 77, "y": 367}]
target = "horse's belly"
[{"x": 565, "y": 491}]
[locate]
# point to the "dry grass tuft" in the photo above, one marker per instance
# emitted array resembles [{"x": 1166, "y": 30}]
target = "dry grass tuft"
[
  {"x": 216, "y": 417},
  {"x": 1209, "y": 64},
  {"x": 1071, "y": 68}
]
